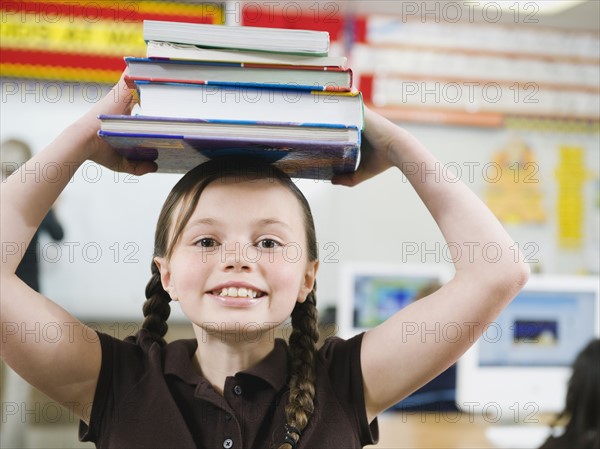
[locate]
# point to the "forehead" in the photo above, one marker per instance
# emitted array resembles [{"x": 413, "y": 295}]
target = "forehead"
[{"x": 232, "y": 198}]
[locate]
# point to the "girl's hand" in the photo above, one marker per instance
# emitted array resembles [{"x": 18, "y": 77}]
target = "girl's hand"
[
  {"x": 377, "y": 150},
  {"x": 119, "y": 101}
]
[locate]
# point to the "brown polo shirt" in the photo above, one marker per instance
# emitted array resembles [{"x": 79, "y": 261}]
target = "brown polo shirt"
[{"x": 151, "y": 397}]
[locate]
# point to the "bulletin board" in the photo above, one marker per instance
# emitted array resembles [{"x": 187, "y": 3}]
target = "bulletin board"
[
  {"x": 447, "y": 72},
  {"x": 84, "y": 41}
]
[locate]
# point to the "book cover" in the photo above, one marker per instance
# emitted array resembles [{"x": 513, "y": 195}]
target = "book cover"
[
  {"x": 221, "y": 102},
  {"x": 179, "y": 154},
  {"x": 276, "y": 40},
  {"x": 174, "y": 51},
  {"x": 249, "y": 74},
  {"x": 139, "y": 124}
]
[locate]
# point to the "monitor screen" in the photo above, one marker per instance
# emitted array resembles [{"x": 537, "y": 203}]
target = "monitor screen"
[
  {"x": 540, "y": 328},
  {"x": 523, "y": 360},
  {"x": 378, "y": 297},
  {"x": 371, "y": 293}
]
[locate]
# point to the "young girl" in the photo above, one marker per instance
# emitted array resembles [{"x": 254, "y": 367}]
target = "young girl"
[{"x": 223, "y": 251}]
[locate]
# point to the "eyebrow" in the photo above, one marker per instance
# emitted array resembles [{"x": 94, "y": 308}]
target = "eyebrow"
[
  {"x": 202, "y": 221},
  {"x": 272, "y": 221},
  {"x": 261, "y": 222}
]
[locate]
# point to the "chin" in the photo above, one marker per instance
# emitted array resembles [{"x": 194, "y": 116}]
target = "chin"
[{"x": 239, "y": 330}]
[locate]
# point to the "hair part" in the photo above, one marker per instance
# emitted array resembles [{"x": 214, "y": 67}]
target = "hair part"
[{"x": 175, "y": 214}]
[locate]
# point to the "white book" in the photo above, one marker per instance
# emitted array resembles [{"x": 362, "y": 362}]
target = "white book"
[
  {"x": 218, "y": 102},
  {"x": 171, "y": 50},
  {"x": 279, "y": 40}
]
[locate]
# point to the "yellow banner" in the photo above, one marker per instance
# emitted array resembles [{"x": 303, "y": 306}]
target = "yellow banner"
[
  {"x": 571, "y": 175},
  {"x": 73, "y": 35}
]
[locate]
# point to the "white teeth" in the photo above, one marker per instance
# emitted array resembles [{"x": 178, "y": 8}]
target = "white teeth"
[{"x": 241, "y": 292}]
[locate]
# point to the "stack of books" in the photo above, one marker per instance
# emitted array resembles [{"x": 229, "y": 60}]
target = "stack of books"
[{"x": 212, "y": 90}]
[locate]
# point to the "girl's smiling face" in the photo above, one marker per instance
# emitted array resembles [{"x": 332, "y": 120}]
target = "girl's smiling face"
[{"x": 241, "y": 262}]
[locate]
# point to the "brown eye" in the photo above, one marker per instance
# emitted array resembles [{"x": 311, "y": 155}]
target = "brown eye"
[
  {"x": 268, "y": 244},
  {"x": 206, "y": 243}
]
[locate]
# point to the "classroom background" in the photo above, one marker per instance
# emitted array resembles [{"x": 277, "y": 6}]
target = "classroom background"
[{"x": 506, "y": 94}]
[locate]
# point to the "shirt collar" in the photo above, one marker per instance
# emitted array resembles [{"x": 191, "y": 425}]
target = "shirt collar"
[
  {"x": 178, "y": 356},
  {"x": 273, "y": 368},
  {"x": 178, "y": 361}
]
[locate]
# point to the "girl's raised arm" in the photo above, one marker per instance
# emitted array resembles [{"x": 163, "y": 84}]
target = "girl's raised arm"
[
  {"x": 65, "y": 367},
  {"x": 396, "y": 361}
]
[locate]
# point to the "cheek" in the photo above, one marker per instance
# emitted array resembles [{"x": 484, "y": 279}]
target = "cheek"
[
  {"x": 189, "y": 274},
  {"x": 286, "y": 274}
]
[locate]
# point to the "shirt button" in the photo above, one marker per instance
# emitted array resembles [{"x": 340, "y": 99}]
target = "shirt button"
[
  {"x": 237, "y": 390},
  {"x": 228, "y": 443}
]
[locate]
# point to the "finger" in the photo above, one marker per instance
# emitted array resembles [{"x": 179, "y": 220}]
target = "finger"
[
  {"x": 137, "y": 168},
  {"x": 121, "y": 93},
  {"x": 126, "y": 96}
]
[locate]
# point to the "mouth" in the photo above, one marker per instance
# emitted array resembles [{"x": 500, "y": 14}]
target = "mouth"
[
  {"x": 240, "y": 293},
  {"x": 238, "y": 296}
]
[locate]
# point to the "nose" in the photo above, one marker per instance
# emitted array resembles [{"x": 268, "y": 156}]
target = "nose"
[{"x": 237, "y": 257}]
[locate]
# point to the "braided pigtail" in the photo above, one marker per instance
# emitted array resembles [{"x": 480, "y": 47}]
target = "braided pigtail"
[
  {"x": 156, "y": 308},
  {"x": 302, "y": 352}
]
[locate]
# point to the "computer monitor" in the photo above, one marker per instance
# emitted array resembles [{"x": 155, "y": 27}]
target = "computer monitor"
[
  {"x": 370, "y": 293},
  {"x": 521, "y": 365}
]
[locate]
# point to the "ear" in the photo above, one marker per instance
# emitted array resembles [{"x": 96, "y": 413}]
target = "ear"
[
  {"x": 165, "y": 276},
  {"x": 308, "y": 283}
]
